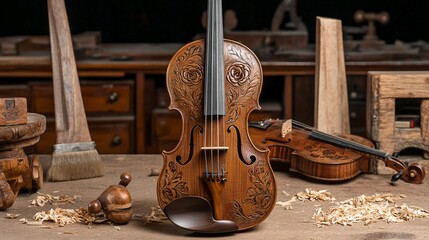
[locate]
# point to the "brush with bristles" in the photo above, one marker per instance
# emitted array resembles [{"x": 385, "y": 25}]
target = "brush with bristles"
[{"x": 74, "y": 156}]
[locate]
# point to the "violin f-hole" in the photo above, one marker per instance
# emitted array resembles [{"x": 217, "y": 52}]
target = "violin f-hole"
[
  {"x": 191, "y": 147},
  {"x": 252, "y": 158}
]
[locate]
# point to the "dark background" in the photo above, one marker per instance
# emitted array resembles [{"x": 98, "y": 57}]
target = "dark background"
[{"x": 179, "y": 20}]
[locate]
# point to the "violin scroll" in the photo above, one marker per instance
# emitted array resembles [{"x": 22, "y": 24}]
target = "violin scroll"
[
  {"x": 416, "y": 173},
  {"x": 412, "y": 173}
]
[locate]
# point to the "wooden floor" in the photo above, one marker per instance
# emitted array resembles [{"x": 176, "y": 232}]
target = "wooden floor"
[{"x": 281, "y": 224}]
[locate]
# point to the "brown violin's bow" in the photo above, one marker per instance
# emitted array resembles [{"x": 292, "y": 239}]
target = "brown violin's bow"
[{"x": 74, "y": 156}]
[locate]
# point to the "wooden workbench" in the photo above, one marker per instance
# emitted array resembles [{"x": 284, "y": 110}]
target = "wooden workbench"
[{"x": 281, "y": 224}]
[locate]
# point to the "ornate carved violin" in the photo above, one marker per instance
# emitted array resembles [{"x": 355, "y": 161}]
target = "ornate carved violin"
[
  {"x": 215, "y": 180},
  {"x": 323, "y": 156}
]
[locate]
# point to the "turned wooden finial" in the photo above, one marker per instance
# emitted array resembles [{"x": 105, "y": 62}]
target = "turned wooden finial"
[
  {"x": 115, "y": 201},
  {"x": 361, "y": 16}
]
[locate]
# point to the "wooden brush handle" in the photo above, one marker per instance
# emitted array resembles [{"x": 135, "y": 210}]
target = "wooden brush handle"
[{"x": 70, "y": 118}]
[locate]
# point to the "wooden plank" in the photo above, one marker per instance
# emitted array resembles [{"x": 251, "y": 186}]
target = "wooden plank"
[{"x": 331, "y": 103}]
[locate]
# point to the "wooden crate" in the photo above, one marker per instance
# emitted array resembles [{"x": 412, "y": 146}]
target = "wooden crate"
[{"x": 384, "y": 91}]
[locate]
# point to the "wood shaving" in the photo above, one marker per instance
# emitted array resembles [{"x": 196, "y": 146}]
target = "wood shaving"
[
  {"x": 12, "y": 216},
  {"x": 46, "y": 227},
  {"x": 368, "y": 209},
  {"x": 156, "y": 216},
  {"x": 309, "y": 195},
  {"x": 314, "y": 195},
  {"x": 34, "y": 222},
  {"x": 288, "y": 204},
  {"x": 65, "y": 216},
  {"x": 41, "y": 199}
]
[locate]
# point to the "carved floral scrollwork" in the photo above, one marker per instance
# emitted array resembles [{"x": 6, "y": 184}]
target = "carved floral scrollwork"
[
  {"x": 244, "y": 81},
  {"x": 189, "y": 66},
  {"x": 320, "y": 151},
  {"x": 260, "y": 196},
  {"x": 187, "y": 80},
  {"x": 172, "y": 185}
]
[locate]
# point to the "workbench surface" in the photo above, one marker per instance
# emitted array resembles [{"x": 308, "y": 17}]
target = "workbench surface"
[{"x": 295, "y": 223}]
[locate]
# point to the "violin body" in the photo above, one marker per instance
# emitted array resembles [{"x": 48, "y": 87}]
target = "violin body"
[
  {"x": 233, "y": 176},
  {"x": 310, "y": 157}
]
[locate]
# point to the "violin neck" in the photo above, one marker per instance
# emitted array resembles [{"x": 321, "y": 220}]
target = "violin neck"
[
  {"x": 340, "y": 142},
  {"x": 214, "y": 100}
]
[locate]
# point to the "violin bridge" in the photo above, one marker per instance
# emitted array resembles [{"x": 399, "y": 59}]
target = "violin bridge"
[
  {"x": 286, "y": 127},
  {"x": 220, "y": 148}
]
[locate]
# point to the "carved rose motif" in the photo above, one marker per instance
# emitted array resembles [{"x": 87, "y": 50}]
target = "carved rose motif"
[
  {"x": 191, "y": 74},
  {"x": 238, "y": 73}
]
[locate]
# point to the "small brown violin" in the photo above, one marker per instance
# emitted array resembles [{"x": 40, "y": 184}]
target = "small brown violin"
[{"x": 324, "y": 156}]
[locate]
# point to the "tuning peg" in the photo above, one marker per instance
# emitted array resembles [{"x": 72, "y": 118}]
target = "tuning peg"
[{"x": 397, "y": 176}]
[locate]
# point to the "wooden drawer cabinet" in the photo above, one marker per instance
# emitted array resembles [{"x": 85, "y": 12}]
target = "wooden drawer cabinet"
[
  {"x": 110, "y": 136},
  {"x": 98, "y": 97},
  {"x": 109, "y": 106}
]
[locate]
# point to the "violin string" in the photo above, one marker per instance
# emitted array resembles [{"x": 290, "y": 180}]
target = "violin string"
[
  {"x": 215, "y": 83},
  {"x": 341, "y": 140},
  {"x": 208, "y": 74},
  {"x": 212, "y": 86},
  {"x": 312, "y": 129},
  {"x": 218, "y": 14}
]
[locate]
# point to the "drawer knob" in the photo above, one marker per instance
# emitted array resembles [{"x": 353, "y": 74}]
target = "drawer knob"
[
  {"x": 113, "y": 97},
  {"x": 353, "y": 95},
  {"x": 353, "y": 115},
  {"x": 116, "y": 140}
]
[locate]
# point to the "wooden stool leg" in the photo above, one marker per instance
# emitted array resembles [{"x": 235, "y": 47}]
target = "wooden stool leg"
[
  {"x": 7, "y": 197},
  {"x": 33, "y": 178}
]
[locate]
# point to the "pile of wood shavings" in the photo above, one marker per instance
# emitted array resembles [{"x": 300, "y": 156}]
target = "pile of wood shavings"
[
  {"x": 309, "y": 195},
  {"x": 65, "y": 216},
  {"x": 368, "y": 209},
  {"x": 41, "y": 199}
]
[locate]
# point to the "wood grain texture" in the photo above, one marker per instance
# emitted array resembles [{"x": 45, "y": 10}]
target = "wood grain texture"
[
  {"x": 331, "y": 102},
  {"x": 70, "y": 118},
  {"x": 383, "y": 90},
  {"x": 312, "y": 158},
  {"x": 249, "y": 191}
]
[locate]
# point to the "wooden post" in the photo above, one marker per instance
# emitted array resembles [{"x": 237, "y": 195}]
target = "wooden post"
[{"x": 331, "y": 102}]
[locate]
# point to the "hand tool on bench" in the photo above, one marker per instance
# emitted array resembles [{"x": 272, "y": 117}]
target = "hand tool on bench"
[{"x": 74, "y": 155}]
